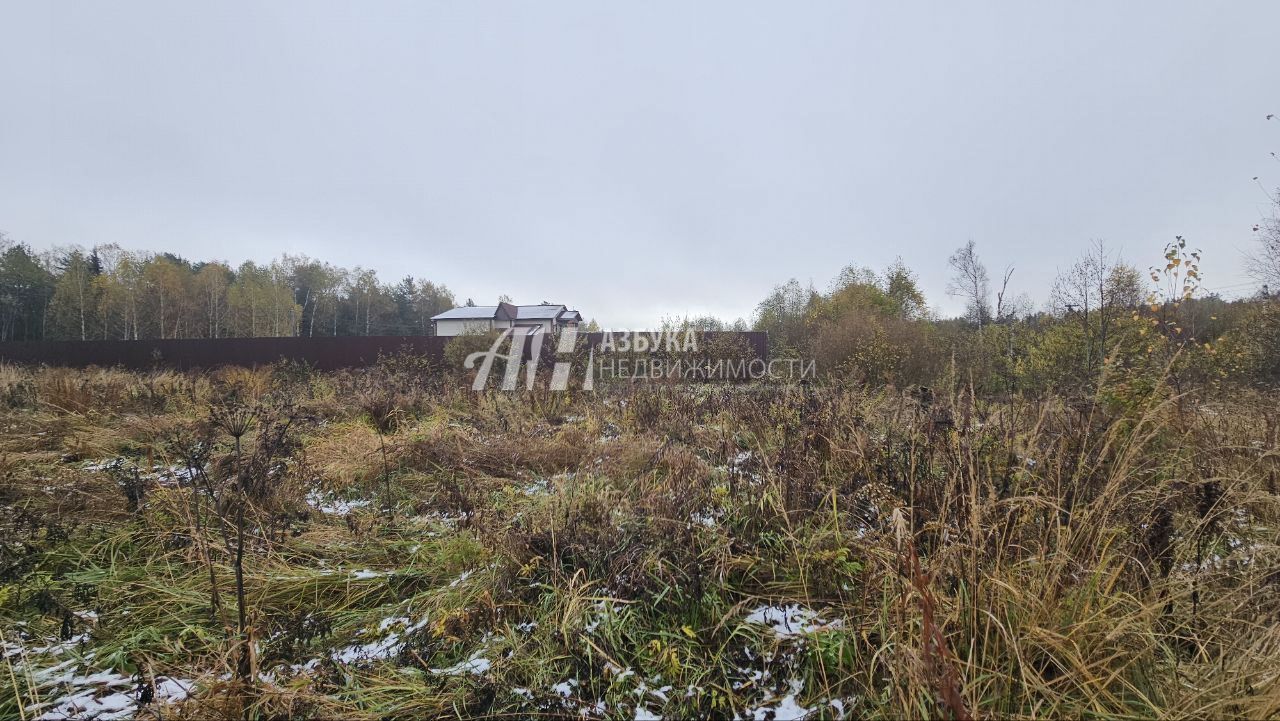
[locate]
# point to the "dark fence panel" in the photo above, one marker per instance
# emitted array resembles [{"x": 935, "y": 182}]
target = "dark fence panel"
[
  {"x": 323, "y": 353},
  {"x": 184, "y": 354}
]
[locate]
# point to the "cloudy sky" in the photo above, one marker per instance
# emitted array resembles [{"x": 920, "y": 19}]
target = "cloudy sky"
[{"x": 640, "y": 159}]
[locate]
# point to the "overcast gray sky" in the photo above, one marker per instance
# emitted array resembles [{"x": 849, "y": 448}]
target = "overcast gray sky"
[{"x": 638, "y": 159}]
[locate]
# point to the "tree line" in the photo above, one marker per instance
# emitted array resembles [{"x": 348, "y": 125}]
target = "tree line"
[
  {"x": 867, "y": 326},
  {"x": 1102, "y": 315},
  {"x": 108, "y": 293}
]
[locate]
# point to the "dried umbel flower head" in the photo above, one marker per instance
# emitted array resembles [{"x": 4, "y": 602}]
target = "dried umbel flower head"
[{"x": 234, "y": 417}]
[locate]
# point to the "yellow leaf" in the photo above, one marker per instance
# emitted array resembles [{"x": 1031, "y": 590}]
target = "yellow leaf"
[{"x": 689, "y": 632}]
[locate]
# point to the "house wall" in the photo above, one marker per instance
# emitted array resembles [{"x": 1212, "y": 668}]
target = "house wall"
[
  {"x": 461, "y": 326},
  {"x": 447, "y": 328},
  {"x": 547, "y": 326}
]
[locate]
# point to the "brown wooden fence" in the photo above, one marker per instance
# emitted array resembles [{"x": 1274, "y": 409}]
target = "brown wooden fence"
[{"x": 323, "y": 353}]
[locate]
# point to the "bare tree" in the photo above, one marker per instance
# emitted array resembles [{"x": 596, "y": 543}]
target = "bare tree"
[
  {"x": 1004, "y": 309},
  {"x": 1264, "y": 262},
  {"x": 1097, "y": 288},
  {"x": 969, "y": 281}
]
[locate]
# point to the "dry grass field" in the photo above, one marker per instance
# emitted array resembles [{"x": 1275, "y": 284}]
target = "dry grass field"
[{"x": 281, "y": 543}]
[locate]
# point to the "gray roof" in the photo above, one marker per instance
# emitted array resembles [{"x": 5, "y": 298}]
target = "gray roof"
[
  {"x": 468, "y": 313},
  {"x": 523, "y": 312},
  {"x": 538, "y": 312}
]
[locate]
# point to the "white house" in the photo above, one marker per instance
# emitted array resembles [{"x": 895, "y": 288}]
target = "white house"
[{"x": 541, "y": 318}]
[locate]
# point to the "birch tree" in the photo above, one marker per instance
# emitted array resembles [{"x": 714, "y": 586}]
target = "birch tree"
[{"x": 969, "y": 281}]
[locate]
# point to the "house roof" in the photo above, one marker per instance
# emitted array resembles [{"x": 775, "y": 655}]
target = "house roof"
[
  {"x": 507, "y": 311},
  {"x": 470, "y": 312},
  {"x": 538, "y": 312}
]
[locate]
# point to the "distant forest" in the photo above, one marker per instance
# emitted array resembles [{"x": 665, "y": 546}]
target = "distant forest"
[{"x": 107, "y": 293}]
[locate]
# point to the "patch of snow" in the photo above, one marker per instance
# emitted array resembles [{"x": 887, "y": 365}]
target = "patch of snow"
[
  {"x": 838, "y": 705},
  {"x": 477, "y": 665},
  {"x": 565, "y": 688},
  {"x": 96, "y": 696},
  {"x": 790, "y": 620},
  {"x": 329, "y": 504},
  {"x": 785, "y": 709},
  {"x": 537, "y": 486},
  {"x": 600, "y": 611},
  {"x": 376, "y": 650},
  {"x": 52, "y": 647},
  {"x": 709, "y": 519},
  {"x": 162, "y": 475},
  {"x": 372, "y": 651}
]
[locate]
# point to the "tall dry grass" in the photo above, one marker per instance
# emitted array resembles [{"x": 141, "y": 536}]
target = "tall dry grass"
[{"x": 955, "y": 556}]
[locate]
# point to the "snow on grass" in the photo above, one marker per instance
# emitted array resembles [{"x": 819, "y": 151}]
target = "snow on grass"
[
  {"x": 708, "y": 519},
  {"x": 790, "y": 620},
  {"x": 51, "y": 648},
  {"x": 163, "y": 475},
  {"x": 786, "y": 708},
  {"x": 566, "y": 688},
  {"x": 104, "y": 696},
  {"x": 333, "y": 506},
  {"x": 537, "y": 487},
  {"x": 392, "y": 634},
  {"x": 476, "y": 665},
  {"x": 462, "y": 577},
  {"x": 73, "y": 690}
]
